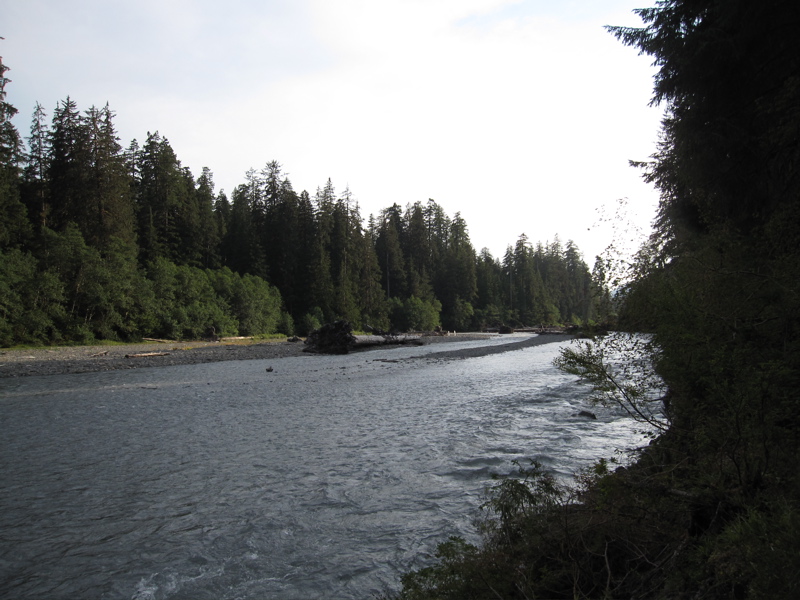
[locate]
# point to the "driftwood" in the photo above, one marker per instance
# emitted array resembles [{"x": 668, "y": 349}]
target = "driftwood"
[
  {"x": 338, "y": 338},
  {"x": 159, "y": 341},
  {"x": 369, "y": 341},
  {"x": 146, "y": 354},
  {"x": 541, "y": 330},
  {"x": 103, "y": 353},
  {"x": 331, "y": 338}
]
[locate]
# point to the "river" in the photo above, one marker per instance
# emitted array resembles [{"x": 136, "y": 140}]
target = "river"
[{"x": 327, "y": 477}]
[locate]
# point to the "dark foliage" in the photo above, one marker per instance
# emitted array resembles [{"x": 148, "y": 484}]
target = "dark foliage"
[
  {"x": 711, "y": 508},
  {"x": 331, "y": 338}
]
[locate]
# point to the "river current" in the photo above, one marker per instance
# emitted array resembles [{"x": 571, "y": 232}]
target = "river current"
[{"x": 327, "y": 477}]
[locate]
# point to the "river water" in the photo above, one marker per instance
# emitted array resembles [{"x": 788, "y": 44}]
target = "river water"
[{"x": 327, "y": 477}]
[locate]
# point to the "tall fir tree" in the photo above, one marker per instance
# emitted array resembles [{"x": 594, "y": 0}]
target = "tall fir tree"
[
  {"x": 109, "y": 203},
  {"x": 166, "y": 206},
  {"x": 390, "y": 252},
  {"x": 14, "y": 227},
  {"x": 208, "y": 228},
  {"x": 456, "y": 285},
  {"x": 35, "y": 185},
  {"x": 69, "y": 168}
]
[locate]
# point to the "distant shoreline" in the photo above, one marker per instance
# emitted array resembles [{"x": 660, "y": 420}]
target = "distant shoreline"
[{"x": 63, "y": 360}]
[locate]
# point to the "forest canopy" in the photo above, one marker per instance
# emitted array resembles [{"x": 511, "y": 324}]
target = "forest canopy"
[{"x": 98, "y": 242}]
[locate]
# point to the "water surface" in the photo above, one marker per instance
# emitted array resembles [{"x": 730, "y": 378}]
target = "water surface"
[{"x": 325, "y": 478}]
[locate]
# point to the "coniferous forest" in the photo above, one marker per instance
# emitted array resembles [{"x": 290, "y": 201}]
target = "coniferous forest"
[{"x": 101, "y": 242}]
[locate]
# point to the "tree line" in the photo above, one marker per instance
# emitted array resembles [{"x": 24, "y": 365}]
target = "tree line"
[{"x": 98, "y": 241}]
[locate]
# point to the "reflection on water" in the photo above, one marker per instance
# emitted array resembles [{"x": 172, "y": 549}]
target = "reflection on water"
[{"x": 325, "y": 478}]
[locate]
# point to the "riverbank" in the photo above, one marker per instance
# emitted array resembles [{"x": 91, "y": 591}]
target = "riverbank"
[{"x": 63, "y": 360}]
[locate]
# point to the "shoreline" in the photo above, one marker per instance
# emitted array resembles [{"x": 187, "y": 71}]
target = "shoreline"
[{"x": 64, "y": 360}]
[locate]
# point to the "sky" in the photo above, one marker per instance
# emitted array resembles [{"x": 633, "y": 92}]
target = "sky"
[{"x": 522, "y": 115}]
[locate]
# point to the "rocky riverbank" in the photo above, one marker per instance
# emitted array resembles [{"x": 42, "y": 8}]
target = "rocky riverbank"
[{"x": 85, "y": 359}]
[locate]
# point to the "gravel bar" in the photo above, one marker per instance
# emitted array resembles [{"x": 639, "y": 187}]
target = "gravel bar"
[{"x": 63, "y": 360}]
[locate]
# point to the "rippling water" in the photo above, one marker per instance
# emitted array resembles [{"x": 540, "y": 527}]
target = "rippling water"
[{"x": 325, "y": 478}]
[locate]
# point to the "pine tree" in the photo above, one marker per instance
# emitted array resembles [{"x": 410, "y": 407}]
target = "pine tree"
[
  {"x": 602, "y": 308},
  {"x": 208, "y": 226},
  {"x": 222, "y": 219},
  {"x": 266, "y": 205},
  {"x": 390, "y": 253},
  {"x": 14, "y": 228},
  {"x": 322, "y": 285},
  {"x": 68, "y": 171},
  {"x": 579, "y": 286},
  {"x": 345, "y": 234},
  {"x": 371, "y": 296},
  {"x": 456, "y": 285},
  {"x": 240, "y": 244},
  {"x": 35, "y": 187},
  {"x": 109, "y": 208},
  {"x": 489, "y": 290},
  {"x": 437, "y": 224},
  {"x": 166, "y": 206},
  {"x": 417, "y": 252},
  {"x": 302, "y": 301}
]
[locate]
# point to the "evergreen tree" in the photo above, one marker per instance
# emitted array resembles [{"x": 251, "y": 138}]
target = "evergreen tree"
[
  {"x": 35, "y": 188},
  {"x": 301, "y": 300},
  {"x": 13, "y": 216},
  {"x": 266, "y": 203},
  {"x": 489, "y": 291},
  {"x": 189, "y": 222},
  {"x": 69, "y": 168},
  {"x": 390, "y": 253},
  {"x": 371, "y": 297},
  {"x": 109, "y": 209},
  {"x": 456, "y": 284},
  {"x": 208, "y": 225},
  {"x": 602, "y": 309},
  {"x": 417, "y": 252},
  {"x": 577, "y": 306},
  {"x": 288, "y": 267},
  {"x": 437, "y": 224},
  {"x": 166, "y": 206},
  {"x": 240, "y": 244},
  {"x": 322, "y": 285},
  {"x": 222, "y": 218},
  {"x": 345, "y": 235}
]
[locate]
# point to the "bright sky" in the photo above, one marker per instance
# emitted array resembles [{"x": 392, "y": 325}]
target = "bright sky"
[{"x": 520, "y": 114}]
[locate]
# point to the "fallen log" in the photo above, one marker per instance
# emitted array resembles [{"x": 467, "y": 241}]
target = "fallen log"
[
  {"x": 146, "y": 354},
  {"x": 369, "y": 341},
  {"x": 338, "y": 338}
]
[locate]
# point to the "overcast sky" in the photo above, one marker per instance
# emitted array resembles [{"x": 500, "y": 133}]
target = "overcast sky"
[{"x": 520, "y": 114}]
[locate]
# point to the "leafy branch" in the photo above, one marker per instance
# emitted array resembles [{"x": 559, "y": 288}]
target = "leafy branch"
[{"x": 619, "y": 367}]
